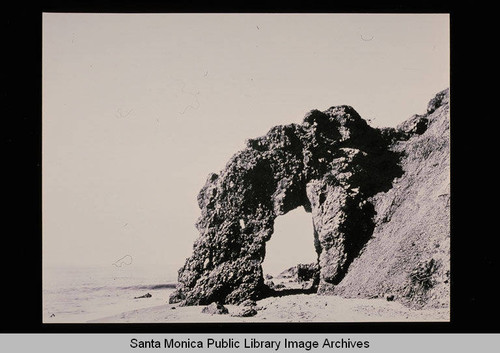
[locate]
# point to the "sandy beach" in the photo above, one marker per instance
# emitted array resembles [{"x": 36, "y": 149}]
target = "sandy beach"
[{"x": 291, "y": 308}]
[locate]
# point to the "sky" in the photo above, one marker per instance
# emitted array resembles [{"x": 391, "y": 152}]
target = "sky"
[{"x": 138, "y": 109}]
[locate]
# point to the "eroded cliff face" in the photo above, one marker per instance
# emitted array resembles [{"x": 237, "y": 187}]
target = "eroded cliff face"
[
  {"x": 408, "y": 254},
  {"x": 334, "y": 165}
]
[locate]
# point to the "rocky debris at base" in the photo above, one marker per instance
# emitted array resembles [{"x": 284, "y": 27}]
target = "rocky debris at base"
[
  {"x": 247, "y": 308},
  {"x": 215, "y": 309},
  {"x": 147, "y": 295},
  {"x": 249, "y": 302},
  {"x": 246, "y": 311}
]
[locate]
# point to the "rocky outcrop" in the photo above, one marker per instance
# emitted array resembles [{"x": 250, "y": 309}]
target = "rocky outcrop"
[
  {"x": 408, "y": 255},
  {"x": 335, "y": 166}
]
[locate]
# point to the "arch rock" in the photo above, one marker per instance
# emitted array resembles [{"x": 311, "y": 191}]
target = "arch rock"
[{"x": 332, "y": 164}]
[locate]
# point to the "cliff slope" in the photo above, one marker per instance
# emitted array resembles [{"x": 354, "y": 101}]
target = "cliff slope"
[{"x": 408, "y": 255}]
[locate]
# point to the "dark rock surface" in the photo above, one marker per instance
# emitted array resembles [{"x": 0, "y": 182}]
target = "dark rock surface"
[
  {"x": 307, "y": 272},
  {"x": 301, "y": 273},
  {"x": 245, "y": 312},
  {"x": 246, "y": 309},
  {"x": 215, "y": 309},
  {"x": 335, "y": 166}
]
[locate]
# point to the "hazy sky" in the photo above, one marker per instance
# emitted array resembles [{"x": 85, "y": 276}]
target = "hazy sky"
[{"x": 138, "y": 109}]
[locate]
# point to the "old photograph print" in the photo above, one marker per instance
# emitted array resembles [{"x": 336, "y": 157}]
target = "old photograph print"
[{"x": 246, "y": 168}]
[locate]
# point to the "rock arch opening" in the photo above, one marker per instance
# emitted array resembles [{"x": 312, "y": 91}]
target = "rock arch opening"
[
  {"x": 291, "y": 243},
  {"x": 291, "y": 257}
]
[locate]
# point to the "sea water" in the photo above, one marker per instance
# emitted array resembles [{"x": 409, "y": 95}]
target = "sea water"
[{"x": 78, "y": 294}]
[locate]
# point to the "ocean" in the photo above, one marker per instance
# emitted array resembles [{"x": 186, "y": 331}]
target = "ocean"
[{"x": 79, "y": 294}]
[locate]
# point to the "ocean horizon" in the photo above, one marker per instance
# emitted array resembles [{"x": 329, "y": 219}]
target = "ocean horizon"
[{"x": 77, "y": 294}]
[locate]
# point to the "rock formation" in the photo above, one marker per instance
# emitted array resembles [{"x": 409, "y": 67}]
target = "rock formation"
[
  {"x": 408, "y": 255},
  {"x": 344, "y": 173},
  {"x": 215, "y": 309}
]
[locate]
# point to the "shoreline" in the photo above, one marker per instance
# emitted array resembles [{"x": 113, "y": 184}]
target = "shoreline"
[
  {"x": 107, "y": 306},
  {"x": 292, "y": 308}
]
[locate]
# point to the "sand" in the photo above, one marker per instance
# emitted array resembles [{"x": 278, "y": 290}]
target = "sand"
[{"x": 291, "y": 308}]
